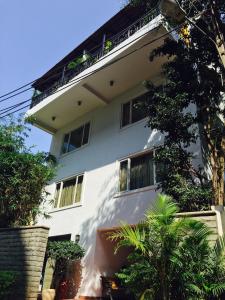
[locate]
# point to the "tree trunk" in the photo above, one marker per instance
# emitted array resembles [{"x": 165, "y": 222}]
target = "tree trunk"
[{"x": 219, "y": 38}]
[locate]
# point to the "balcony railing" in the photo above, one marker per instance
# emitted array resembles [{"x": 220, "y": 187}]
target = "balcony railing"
[{"x": 93, "y": 57}]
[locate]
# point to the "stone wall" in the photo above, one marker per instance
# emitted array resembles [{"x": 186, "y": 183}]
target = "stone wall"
[{"x": 22, "y": 250}]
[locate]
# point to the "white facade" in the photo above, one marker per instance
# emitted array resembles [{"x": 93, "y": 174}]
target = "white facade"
[{"x": 102, "y": 205}]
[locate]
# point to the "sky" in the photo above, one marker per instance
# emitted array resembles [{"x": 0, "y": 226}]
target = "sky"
[{"x": 35, "y": 35}]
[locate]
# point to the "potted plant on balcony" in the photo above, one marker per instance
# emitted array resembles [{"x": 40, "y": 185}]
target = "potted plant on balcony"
[
  {"x": 79, "y": 60},
  {"x": 108, "y": 46},
  {"x": 66, "y": 256}
]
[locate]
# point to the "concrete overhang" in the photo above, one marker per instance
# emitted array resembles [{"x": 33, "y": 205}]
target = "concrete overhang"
[{"x": 124, "y": 67}]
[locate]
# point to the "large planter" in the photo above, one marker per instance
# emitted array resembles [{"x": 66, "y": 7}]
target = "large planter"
[
  {"x": 67, "y": 286},
  {"x": 22, "y": 250}
]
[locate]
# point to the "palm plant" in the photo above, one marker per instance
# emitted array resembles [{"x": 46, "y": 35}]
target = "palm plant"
[{"x": 174, "y": 253}]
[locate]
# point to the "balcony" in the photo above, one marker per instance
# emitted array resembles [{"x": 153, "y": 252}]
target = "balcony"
[
  {"x": 84, "y": 81},
  {"x": 91, "y": 57}
]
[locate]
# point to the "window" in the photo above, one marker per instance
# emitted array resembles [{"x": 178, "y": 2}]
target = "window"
[
  {"x": 76, "y": 138},
  {"x": 133, "y": 110},
  {"x": 138, "y": 172},
  {"x": 68, "y": 192}
]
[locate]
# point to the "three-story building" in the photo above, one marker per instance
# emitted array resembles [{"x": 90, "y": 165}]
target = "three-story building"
[{"x": 105, "y": 151}]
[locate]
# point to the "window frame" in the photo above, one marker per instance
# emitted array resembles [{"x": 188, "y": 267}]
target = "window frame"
[
  {"x": 74, "y": 204},
  {"x": 130, "y": 112},
  {"x": 69, "y": 133},
  {"x": 128, "y": 159}
]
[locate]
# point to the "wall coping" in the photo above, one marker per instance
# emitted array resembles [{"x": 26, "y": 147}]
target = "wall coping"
[
  {"x": 197, "y": 213},
  {"x": 24, "y": 228}
]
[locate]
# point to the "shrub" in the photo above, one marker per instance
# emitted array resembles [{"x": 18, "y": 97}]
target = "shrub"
[
  {"x": 62, "y": 252},
  {"x": 7, "y": 280},
  {"x": 62, "y": 255},
  {"x": 23, "y": 176},
  {"x": 68, "y": 250}
]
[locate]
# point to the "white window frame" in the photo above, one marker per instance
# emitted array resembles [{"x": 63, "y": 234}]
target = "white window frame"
[
  {"x": 69, "y": 133},
  {"x": 74, "y": 204},
  {"x": 128, "y": 159}
]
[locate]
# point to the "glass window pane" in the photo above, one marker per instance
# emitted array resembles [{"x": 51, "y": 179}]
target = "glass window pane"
[
  {"x": 86, "y": 133},
  {"x": 76, "y": 139},
  {"x": 79, "y": 189},
  {"x": 123, "y": 175},
  {"x": 56, "y": 196},
  {"x": 138, "y": 111},
  {"x": 141, "y": 171},
  {"x": 67, "y": 192},
  {"x": 126, "y": 114},
  {"x": 65, "y": 143}
]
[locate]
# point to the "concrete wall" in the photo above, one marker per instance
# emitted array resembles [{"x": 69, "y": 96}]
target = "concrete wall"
[
  {"x": 22, "y": 250},
  {"x": 102, "y": 206},
  {"x": 210, "y": 218}
]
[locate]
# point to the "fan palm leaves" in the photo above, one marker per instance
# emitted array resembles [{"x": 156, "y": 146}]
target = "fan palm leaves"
[{"x": 175, "y": 253}]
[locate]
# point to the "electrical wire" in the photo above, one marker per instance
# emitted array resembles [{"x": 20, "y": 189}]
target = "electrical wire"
[
  {"x": 60, "y": 68},
  {"x": 74, "y": 81},
  {"x": 77, "y": 79}
]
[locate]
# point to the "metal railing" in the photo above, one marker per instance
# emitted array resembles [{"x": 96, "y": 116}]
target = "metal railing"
[{"x": 94, "y": 56}]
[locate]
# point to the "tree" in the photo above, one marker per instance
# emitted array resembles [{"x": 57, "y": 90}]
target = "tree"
[
  {"x": 23, "y": 176},
  {"x": 172, "y": 258},
  {"x": 194, "y": 78},
  {"x": 211, "y": 13}
]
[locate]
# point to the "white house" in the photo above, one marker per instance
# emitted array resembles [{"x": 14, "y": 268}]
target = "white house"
[{"x": 99, "y": 137}]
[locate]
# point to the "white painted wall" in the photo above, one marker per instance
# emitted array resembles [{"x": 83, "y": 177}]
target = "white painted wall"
[{"x": 102, "y": 206}]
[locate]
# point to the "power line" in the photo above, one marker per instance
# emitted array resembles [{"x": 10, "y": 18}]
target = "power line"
[
  {"x": 61, "y": 67},
  {"x": 4, "y": 110},
  {"x": 74, "y": 81},
  {"x": 21, "y": 92},
  {"x": 19, "y": 88},
  {"x": 15, "y": 111}
]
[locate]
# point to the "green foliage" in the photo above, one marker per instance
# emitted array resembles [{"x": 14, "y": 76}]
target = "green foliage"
[
  {"x": 172, "y": 258},
  {"x": 171, "y": 112},
  {"x": 62, "y": 252},
  {"x": 139, "y": 270},
  {"x": 188, "y": 105},
  {"x": 68, "y": 250},
  {"x": 184, "y": 107},
  {"x": 79, "y": 60},
  {"x": 7, "y": 280},
  {"x": 189, "y": 195},
  {"x": 108, "y": 46},
  {"x": 23, "y": 176}
]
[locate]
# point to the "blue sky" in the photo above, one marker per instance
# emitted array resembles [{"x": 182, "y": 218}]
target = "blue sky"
[{"x": 35, "y": 35}]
